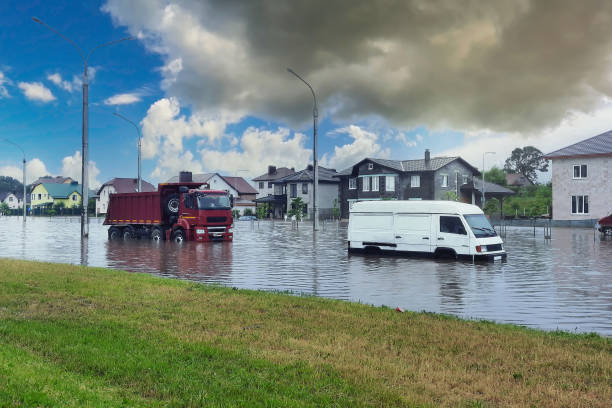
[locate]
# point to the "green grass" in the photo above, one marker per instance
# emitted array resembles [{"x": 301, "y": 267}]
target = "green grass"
[{"x": 74, "y": 336}]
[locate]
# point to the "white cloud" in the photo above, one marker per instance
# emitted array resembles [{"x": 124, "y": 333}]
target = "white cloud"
[
  {"x": 72, "y": 167},
  {"x": 123, "y": 99},
  {"x": 258, "y": 149},
  {"x": 57, "y": 80},
  {"x": 35, "y": 168},
  {"x": 401, "y": 137},
  {"x": 36, "y": 91},
  {"x": 365, "y": 144},
  {"x": 4, "y": 81}
]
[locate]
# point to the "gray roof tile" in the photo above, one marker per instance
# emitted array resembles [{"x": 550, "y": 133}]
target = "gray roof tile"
[{"x": 596, "y": 145}]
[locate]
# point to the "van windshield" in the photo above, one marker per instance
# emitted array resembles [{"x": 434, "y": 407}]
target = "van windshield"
[
  {"x": 213, "y": 202},
  {"x": 480, "y": 226}
]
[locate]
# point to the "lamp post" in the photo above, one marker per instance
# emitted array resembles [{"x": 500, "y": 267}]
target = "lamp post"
[
  {"x": 24, "y": 178},
  {"x": 315, "y": 167},
  {"x": 85, "y": 127},
  {"x": 139, "y": 146},
  {"x": 483, "y": 177}
]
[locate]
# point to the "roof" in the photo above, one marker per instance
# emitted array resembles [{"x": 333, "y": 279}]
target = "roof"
[
  {"x": 4, "y": 194},
  {"x": 600, "y": 145},
  {"x": 417, "y": 206},
  {"x": 196, "y": 178},
  {"x": 57, "y": 190},
  {"x": 435, "y": 163},
  {"x": 54, "y": 180},
  {"x": 278, "y": 174},
  {"x": 127, "y": 185},
  {"x": 325, "y": 175},
  {"x": 490, "y": 188},
  {"x": 239, "y": 184},
  {"x": 517, "y": 179}
]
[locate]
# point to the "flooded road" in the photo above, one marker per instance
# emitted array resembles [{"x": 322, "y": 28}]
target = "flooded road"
[{"x": 564, "y": 283}]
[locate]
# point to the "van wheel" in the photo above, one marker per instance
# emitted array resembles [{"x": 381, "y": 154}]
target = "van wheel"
[
  {"x": 114, "y": 233},
  {"x": 178, "y": 236},
  {"x": 156, "y": 235},
  {"x": 445, "y": 253}
]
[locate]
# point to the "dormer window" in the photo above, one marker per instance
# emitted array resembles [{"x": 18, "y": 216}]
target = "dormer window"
[{"x": 370, "y": 166}]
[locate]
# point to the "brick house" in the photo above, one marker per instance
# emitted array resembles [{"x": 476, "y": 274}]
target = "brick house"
[{"x": 581, "y": 180}]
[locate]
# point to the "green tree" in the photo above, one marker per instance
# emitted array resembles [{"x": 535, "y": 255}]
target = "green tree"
[
  {"x": 235, "y": 213},
  {"x": 9, "y": 184},
  {"x": 248, "y": 211},
  {"x": 4, "y": 208},
  {"x": 526, "y": 161},
  {"x": 495, "y": 175},
  {"x": 297, "y": 208},
  {"x": 450, "y": 196},
  {"x": 263, "y": 210},
  {"x": 491, "y": 206}
]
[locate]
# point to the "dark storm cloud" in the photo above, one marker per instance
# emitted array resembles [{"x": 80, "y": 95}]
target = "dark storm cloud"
[{"x": 504, "y": 65}]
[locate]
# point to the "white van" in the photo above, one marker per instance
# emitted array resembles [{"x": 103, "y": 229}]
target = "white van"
[{"x": 442, "y": 228}]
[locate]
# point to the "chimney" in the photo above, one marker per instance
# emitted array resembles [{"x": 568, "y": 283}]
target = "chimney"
[
  {"x": 185, "y": 177},
  {"x": 293, "y": 169},
  {"x": 427, "y": 157},
  {"x": 271, "y": 170},
  {"x": 309, "y": 167}
]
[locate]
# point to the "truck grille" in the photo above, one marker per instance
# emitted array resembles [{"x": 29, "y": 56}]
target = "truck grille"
[
  {"x": 494, "y": 247},
  {"x": 216, "y": 219},
  {"x": 215, "y": 229}
]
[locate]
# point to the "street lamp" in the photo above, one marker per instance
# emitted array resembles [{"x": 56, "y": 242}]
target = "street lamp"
[
  {"x": 24, "y": 178},
  {"x": 483, "y": 177},
  {"x": 85, "y": 128},
  {"x": 315, "y": 115},
  {"x": 139, "y": 147}
]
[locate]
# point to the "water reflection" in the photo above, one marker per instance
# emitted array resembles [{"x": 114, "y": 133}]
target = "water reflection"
[{"x": 564, "y": 283}]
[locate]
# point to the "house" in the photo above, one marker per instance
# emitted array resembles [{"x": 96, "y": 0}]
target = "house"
[
  {"x": 13, "y": 200},
  {"x": 581, "y": 186},
  {"x": 53, "y": 180},
  {"x": 300, "y": 184},
  {"x": 264, "y": 183},
  {"x": 517, "y": 180},
  {"x": 430, "y": 178},
  {"x": 49, "y": 194},
  {"x": 243, "y": 193},
  {"x": 118, "y": 185}
]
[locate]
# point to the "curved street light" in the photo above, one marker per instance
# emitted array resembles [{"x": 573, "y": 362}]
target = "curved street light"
[
  {"x": 85, "y": 129},
  {"x": 24, "y": 178},
  {"x": 139, "y": 146},
  {"x": 315, "y": 167}
]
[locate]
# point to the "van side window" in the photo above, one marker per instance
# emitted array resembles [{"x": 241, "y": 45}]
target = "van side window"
[{"x": 451, "y": 225}]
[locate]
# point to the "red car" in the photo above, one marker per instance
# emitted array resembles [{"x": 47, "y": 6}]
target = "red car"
[{"x": 605, "y": 225}]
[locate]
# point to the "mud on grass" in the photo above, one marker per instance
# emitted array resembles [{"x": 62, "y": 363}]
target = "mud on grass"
[{"x": 75, "y": 336}]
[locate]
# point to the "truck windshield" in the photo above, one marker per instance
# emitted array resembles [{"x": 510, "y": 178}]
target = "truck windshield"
[
  {"x": 213, "y": 202},
  {"x": 480, "y": 226}
]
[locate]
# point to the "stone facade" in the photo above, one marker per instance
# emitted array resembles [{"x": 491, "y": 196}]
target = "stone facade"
[{"x": 597, "y": 186}]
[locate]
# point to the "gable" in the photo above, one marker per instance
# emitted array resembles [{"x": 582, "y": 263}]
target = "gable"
[{"x": 216, "y": 182}]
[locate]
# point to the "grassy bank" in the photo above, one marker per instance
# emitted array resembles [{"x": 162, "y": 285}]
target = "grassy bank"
[{"x": 74, "y": 336}]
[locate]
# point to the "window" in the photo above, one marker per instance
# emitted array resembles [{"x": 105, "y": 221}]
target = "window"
[
  {"x": 261, "y": 185},
  {"x": 188, "y": 200},
  {"x": 293, "y": 190},
  {"x": 74, "y": 197},
  {"x": 415, "y": 181},
  {"x": 40, "y": 196},
  {"x": 465, "y": 179},
  {"x": 580, "y": 171},
  {"x": 366, "y": 184},
  {"x": 269, "y": 184},
  {"x": 444, "y": 180},
  {"x": 10, "y": 199},
  {"x": 580, "y": 204},
  {"x": 370, "y": 166},
  {"x": 452, "y": 225},
  {"x": 374, "y": 183},
  {"x": 352, "y": 184},
  {"x": 390, "y": 183},
  {"x": 304, "y": 188}
]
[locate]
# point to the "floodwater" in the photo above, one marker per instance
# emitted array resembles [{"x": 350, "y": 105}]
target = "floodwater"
[{"x": 563, "y": 283}]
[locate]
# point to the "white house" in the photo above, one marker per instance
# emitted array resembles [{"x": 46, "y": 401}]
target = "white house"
[
  {"x": 13, "y": 200},
  {"x": 118, "y": 185},
  {"x": 582, "y": 180}
]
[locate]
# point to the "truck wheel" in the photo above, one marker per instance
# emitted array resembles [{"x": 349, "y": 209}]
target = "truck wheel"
[
  {"x": 172, "y": 204},
  {"x": 607, "y": 230},
  {"x": 156, "y": 235},
  {"x": 114, "y": 233},
  {"x": 178, "y": 236},
  {"x": 128, "y": 233}
]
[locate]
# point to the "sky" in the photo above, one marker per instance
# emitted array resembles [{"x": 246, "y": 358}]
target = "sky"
[{"x": 207, "y": 82}]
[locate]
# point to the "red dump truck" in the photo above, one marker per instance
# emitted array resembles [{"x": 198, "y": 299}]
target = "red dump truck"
[
  {"x": 177, "y": 211},
  {"x": 605, "y": 225}
]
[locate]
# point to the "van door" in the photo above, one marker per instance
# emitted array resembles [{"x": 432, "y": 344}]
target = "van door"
[
  {"x": 413, "y": 232},
  {"x": 451, "y": 233}
]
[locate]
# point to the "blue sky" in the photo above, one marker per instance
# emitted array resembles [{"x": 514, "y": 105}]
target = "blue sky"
[{"x": 209, "y": 86}]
